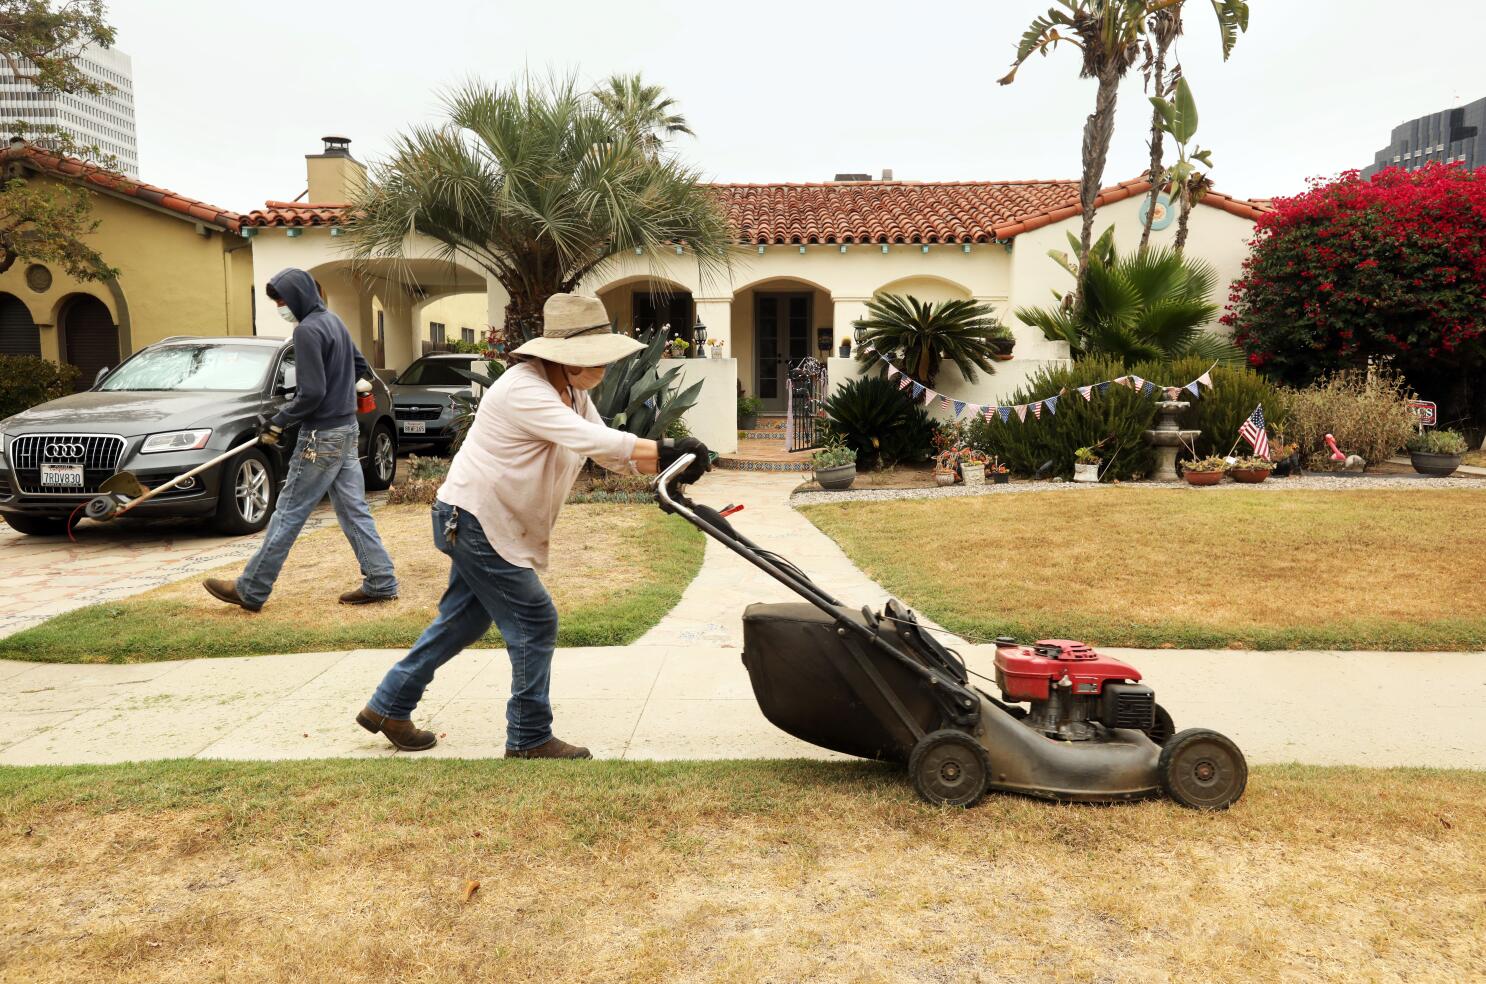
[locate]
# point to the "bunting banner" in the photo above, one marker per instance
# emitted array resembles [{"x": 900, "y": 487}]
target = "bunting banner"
[
  {"x": 1052, "y": 404},
  {"x": 1037, "y": 410},
  {"x": 1087, "y": 391},
  {"x": 905, "y": 382},
  {"x": 959, "y": 407},
  {"x": 1194, "y": 387},
  {"x": 1021, "y": 412},
  {"x": 892, "y": 370},
  {"x": 1206, "y": 379},
  {"x": 916, "y": 391},
  {"x": 1005, "y": 413},
  {"x": 1146, "y": 386},
  {"x": 986, "y": 413}
]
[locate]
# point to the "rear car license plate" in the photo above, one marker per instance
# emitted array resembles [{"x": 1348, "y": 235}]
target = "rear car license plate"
[
  {"x": 414, "y": 427},
  {"x": 62, "y": 476}
]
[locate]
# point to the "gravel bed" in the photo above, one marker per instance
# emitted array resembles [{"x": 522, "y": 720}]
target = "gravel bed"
[{"x": 1272, "y": 485}]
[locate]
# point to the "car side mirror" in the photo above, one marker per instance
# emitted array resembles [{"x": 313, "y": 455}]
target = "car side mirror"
[{"x": 102, "y": 374}]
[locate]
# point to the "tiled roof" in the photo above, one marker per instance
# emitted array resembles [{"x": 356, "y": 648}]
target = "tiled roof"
[
  {"x": 91, "y": 174},
  {"x": 297, "y": 214},
  {"x": 863, "y": 211}
]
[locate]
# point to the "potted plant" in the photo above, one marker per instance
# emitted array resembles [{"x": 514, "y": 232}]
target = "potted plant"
[
  {"x": 972, "y": 466},
  {"x": 1436, "y": 453},
  {"x": 1205, "y": 471},
  {"x": 946, "y": 468},
  {"x": 714, "y": 348},
  {"x": 748, "y": 407},
  {"x": 845, "y": 350},
  {"x": 999, "y": 473},
  {"x": 677, "y": 348},
  {"x": 1250, "y": 469},
  {"x": 835, "y": 467},
  {"x": 1086, "y": 465}
]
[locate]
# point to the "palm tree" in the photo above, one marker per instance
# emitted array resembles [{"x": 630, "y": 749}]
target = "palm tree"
[
  {"x": 540, "y": 185},
  {"x": 647, "y": 113},
  {"x": 1164, "y": 26},
  {"x": 925, "y": 334},
  {"x": 1148, "y": 305}
]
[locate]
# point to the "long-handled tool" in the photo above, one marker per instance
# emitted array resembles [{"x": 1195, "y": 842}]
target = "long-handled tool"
[{"x": 122, "y": 491}]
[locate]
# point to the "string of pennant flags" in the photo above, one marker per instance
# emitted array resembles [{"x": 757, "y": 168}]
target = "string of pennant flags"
[{"x": 919, "y": 393}]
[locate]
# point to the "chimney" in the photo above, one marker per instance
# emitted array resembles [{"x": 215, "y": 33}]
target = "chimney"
[
  {"x": 852, "y": 177},
  {"x": 334, "y": 175},
  {"x": 887, "y": 174}
]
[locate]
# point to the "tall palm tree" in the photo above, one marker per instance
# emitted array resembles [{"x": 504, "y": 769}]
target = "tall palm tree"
[
  {"x": 966, "y": 333},
  {"x": 1148, "y": 305},
  {"x": 645, "y": 111},
  {"x": 539, "y": 184},
  {"x": 1163, "y": 28}
]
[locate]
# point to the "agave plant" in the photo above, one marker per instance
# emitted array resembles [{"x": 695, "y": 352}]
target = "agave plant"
[
  {"x": 1151, "y": 305},
  {"x": 635, "y": 397},
  {"x": 964, "y": 332},
  {"x": 469, "y": 403}
]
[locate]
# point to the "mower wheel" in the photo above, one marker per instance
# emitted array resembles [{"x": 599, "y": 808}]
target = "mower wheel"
[
  {"x": 1163, "y": 728},
  {"x": 1202, "y": 770},
  {"x": 949, "y": 768}
]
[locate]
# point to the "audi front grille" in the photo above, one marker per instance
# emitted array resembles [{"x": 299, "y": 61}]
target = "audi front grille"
[{"x": 99, "y": 454}]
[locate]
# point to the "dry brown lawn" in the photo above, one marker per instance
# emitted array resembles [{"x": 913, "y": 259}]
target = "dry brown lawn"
[
  {"x": 1130, "y": 566},
  {"x": 616, "y": 569},
  {"x": 361, "y": 872}
]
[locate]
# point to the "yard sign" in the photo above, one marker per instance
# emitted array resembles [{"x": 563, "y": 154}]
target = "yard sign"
[{"x": 1427, "y": 412}]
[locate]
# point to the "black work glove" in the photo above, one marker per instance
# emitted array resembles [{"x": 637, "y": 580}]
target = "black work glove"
[
  {"x": 270, "y": 433},
  {"x": 672, "y": 449}
]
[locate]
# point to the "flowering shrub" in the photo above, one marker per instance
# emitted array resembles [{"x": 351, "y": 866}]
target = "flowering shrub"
[{"x": 1391, "y": 268}]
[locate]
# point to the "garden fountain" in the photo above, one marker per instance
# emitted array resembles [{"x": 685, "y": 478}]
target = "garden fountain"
[{"x": 1167, "y": 438}]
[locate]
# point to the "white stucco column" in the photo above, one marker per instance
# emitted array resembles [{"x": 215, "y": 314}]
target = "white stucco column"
[
  {"x": 717, "y": 314},
  {"x": 848, "y": 310},
  {"x": 400, "y": 343}
]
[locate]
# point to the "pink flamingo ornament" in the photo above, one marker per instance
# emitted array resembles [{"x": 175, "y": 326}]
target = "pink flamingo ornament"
[{"x": 1336, "y": 452}]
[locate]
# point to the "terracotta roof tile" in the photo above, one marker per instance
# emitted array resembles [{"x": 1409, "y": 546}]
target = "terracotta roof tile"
[
  {"x": 71, "y": 167},
  {"x": 861, "y": 211}
]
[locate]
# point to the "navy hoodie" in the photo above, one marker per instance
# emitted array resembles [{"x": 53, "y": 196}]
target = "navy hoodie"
[{"x": 326, "y": 361}]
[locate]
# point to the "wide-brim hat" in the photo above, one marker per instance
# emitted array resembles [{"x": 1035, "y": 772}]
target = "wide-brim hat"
[{"x": 576, "y": 332}]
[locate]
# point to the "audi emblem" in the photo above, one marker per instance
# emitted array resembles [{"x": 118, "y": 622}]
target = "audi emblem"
[{"x": 65, "y": 450}]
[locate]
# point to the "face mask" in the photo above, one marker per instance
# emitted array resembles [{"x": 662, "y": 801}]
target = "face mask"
[{"x": 288, "y": 315}]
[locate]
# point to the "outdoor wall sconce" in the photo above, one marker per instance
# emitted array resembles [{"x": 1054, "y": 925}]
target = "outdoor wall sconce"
[
  {"x": 884, "y": 249},
  {"x": 860, "y": 334},
  {"x": 699, "y": 334}
]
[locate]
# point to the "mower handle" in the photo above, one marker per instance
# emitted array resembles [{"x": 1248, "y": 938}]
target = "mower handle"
[{"x": 663, "y": 486}]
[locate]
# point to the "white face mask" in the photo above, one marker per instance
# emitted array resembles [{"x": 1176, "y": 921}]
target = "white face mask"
[{"x": 288, "y": 315}]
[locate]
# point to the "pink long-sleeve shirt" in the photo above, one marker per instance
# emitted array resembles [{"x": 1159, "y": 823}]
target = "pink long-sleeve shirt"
[{"x": 520, "y": 458}]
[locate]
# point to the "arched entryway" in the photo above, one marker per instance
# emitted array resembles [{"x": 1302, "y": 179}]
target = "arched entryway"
[
  {"x": 90, "y": 339},
  {"x": 18, "y": 332},
  {"x": 776, "y": 323}
]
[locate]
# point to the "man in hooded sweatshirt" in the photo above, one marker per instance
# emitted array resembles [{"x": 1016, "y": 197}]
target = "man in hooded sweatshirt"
[{"x": 327, "y": 365}]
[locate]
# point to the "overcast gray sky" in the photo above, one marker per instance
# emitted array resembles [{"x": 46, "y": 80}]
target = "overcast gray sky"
[{"x": 230, "y": 96}]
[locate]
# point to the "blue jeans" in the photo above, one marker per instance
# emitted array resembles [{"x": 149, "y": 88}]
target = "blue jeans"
[
  {"x": 483, "y": 588},
  {"x": 335, "y": 469}
]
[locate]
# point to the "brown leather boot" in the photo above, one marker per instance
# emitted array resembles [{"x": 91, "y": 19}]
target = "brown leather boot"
[
  {"x": 360, "y": 597},
  {"x": 227, "y": 591},
  {"x": 552, "y": 748},
  {"x": 403, "y": 735}
]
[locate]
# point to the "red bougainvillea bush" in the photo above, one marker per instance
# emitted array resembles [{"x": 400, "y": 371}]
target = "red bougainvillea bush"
[{"x": 1392, "y": 267}]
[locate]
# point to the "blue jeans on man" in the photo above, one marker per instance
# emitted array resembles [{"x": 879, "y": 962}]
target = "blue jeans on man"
[
  {"x": 483, "y": 588},
  {"x": 323, "y": 461}
]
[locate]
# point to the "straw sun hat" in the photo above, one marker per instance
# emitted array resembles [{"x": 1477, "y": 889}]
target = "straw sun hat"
[{"x": 575, "y": 332}]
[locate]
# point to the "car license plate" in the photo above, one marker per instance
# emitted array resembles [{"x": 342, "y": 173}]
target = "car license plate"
[
  {"x": 414, "y": 427},
  {"x": 62, "y": 476}
]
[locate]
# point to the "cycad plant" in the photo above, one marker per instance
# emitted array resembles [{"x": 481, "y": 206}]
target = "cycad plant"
[
  {"x": 1151, "y": 305},
  {"x": 540, "y": 184},
  {"x": 926, "y": 334},
  {"x": 871, "y": 416}
]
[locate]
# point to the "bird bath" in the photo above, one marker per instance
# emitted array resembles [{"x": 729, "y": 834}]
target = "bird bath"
[{"x": 1167, "y": 438}]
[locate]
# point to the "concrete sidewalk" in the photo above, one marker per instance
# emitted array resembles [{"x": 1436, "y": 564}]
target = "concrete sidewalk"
[{"x": 682, "y": 692}]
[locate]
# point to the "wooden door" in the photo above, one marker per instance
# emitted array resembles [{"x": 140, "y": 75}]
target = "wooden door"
[
  {"x": 18, "y": 333},
  {"x": 90, "y": 337}
]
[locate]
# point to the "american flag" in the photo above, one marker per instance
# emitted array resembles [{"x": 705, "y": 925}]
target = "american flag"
[{"x": 1253, "y": 431}]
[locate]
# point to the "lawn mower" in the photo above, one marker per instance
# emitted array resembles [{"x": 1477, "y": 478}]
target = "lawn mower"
[{"x": 879, "y": 685}]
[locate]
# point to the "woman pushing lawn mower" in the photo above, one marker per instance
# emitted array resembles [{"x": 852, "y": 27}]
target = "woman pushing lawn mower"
[{"x": 495, "y": 513}]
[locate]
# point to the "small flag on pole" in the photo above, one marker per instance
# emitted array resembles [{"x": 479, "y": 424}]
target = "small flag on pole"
[{"x": 1253, "y": 431}]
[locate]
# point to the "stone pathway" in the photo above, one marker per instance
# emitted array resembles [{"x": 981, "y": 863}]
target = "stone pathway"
[
  {"x": 46, "y": 576},
  {"x": 682, "y": 692}
]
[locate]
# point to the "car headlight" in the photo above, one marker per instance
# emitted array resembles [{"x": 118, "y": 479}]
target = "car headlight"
[{"x": 175, "y": 441}]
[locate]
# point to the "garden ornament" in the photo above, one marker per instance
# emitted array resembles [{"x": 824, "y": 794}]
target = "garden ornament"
[{"x": 1336, "y": 452}]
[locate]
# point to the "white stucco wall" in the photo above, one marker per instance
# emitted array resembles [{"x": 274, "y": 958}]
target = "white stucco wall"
[{"x": 714, "y": 419}]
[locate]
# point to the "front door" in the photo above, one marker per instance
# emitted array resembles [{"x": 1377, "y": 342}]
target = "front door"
[{"x": 781, "y": 337}]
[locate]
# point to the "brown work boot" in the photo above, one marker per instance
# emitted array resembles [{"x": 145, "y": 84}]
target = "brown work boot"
[
  {"x": 360, "y": 597},
  {"x": 552, "y": 748},
  {"x": 227, "y": 591},
  {"x": 403, "y": 735}
]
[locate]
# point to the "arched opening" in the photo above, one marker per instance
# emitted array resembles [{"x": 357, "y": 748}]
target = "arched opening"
[
  {"x": 776, "y": 323},
  {"x": 638, "y": 305},
  {"x": 90, "y": 339},
  {"x": 929, "y": 289},
  {"x": 18, "y": 332}
]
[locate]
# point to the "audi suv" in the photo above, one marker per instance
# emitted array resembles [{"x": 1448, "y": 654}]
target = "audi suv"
[{"x": 166, "y": 409}]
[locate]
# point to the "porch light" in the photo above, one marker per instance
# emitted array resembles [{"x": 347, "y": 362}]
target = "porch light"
[
  {"x": 699, "y": 333},
  {"x": 860, "y": 334}
]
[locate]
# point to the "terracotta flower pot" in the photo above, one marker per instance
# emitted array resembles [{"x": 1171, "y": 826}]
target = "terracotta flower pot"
[
  {"x": 1251, "y": 476},
  {"x": 1202, "y": 478}
]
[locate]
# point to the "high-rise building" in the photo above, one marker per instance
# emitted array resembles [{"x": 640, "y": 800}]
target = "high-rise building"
[
  {"x": 104, "y": 121},
  {"x": 1453, "y": 136}
]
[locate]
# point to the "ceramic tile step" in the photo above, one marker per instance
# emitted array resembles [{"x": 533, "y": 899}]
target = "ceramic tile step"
[
  {"x": 764, "y": 455},
  {"x": 773, "y": 436}
]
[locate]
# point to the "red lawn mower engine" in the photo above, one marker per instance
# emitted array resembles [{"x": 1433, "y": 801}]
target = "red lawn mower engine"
[{"x": 1071, "y": 688}]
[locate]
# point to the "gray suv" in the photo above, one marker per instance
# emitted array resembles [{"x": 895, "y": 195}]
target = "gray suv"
[
  {"x": 164, "y": 410},
  {"x": 423, "y": 398}
]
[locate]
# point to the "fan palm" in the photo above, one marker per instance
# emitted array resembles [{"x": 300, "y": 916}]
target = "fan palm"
[
  {"x": 540, "y": 185},
  {"x": 1151, "y": 305},
  {"x": 964, "y": 332},
  {"x": 647, "y": 114}
]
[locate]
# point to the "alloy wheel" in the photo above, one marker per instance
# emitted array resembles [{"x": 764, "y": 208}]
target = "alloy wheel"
[
  {"x": 251, "y": 490},
  {"x": 384, "y": 459}
]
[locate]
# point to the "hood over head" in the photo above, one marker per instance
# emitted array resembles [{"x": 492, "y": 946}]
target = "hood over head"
[{"x": 299, "y": 292}]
